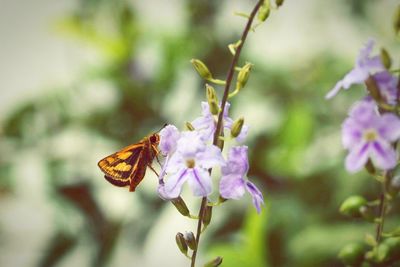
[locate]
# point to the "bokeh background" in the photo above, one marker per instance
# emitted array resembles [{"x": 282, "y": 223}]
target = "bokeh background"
[{"x": 81, "y": 79}]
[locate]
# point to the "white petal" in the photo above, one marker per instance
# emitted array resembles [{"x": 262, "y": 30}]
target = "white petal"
[
  {"x": 211, "y": 157},
  {"x": 173, "y": 186},
  {"x": 200, "y": 182}
]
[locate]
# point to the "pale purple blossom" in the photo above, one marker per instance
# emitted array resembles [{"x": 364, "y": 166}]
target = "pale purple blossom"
[
  {"x": 365, "y": 65},
  {"x": 169, "y": 136},
  {"x": 368, "y": 135},
  {"x": 207, "y": 123},
  {"x": 190, "y": 162},
  {"x": 387, "y": 85},
  {"x": 233, "y": 182}
]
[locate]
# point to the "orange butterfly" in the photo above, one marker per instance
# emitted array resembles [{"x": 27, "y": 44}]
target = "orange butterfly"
[{"x": 128, "y": 166}]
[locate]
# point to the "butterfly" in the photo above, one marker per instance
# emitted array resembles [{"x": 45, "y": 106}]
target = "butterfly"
[{"x": 127, "y": 167}]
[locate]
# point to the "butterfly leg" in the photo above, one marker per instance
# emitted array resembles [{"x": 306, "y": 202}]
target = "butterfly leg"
[{"x": 151, "y": 168}]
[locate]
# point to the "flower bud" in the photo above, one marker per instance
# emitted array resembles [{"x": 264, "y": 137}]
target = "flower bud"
[
  {"x": 279, "y": 2},
  {"x": 351, "y": 206},
  {"x": 201, "y": 69},
  {"x": 190, "y": 240},
  {"x": 385, "y": 58},
  {"x": 352, "y": 254},
  {"x": 207, "y": 215},
  {"x": 396, "y": 21},
  {"x": 189, "y": 126},
  {"x": 211, "y": 94},
  {"x": 264, "y": 11},
  {"x": 237, "y": 127},
  {"x": 180, "y": 205},
  {"x": 212, "y": 100},
  {"x": 373, "y": 89},
  {"x": 214, "y": 263},
  {"x": 180, "y": 241},
  {"x": 243, "y": 76}
]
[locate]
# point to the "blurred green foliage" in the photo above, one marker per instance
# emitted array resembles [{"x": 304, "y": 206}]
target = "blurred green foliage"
[{"x": 296, "y": 164}]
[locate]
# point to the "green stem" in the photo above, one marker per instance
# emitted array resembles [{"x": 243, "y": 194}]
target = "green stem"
[
  {"x": 220, "y": 117},
  {"x": 382, "y": 210}
]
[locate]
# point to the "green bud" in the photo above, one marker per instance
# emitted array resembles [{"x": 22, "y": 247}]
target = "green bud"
[
  {"x": 244, "y": 74},
  {"x": 279, "y": 2},
  {"x": 190, "y": 240},
  {"x": 201, "y": 69},
  {"x": 210, "y": 93},
  {"x": 180, "y": 241},
  {"x": 385, "y": 58},
  {"x": 214, "y": 108},
  {"x": 264, "y": 11},
  {"x": 396, "y": 21},
  {"x": 373, "y": 89},
  {"x": 352, "y": 254},
  {"x": 180, "y": 205},
  {"x": 212, "y": 100},
  {"x": 351, "y": 206},
  {"x": 189, "y": 126},
  {"x": 214, "y": 263},
  {"x": 207, "y": 215},
  {"x": 237, "y": 127}
]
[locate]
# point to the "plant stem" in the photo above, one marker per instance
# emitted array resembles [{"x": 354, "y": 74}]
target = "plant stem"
[
  {"x": 220, "y": 116},
  {"x": 382, "y": 209}
]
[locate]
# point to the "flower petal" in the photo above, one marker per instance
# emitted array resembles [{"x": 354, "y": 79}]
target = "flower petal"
[
  {"x": 387, "y": 84},
  {"x": 351, "y": 133},
  {"x": 237, "y": 161},
  {"x": 174, "y": 163},
  {"x": 169, "y": 136},
  {"x": 190, "y": 144},
  {"x": 335, "y": 90},
  {"x": 173, "y": 186},
  {"x": 243, "y": 134},
  {"x": 231, "y": 186},
  {"x": 383, "y": 155},
  {"x": 200, "y": 182},
  {"x": 256, "y": 195},
  {"x": 210, "y": 157},
  {"x": 389, "y": 127},
  {"x": 357, "y": 157}
]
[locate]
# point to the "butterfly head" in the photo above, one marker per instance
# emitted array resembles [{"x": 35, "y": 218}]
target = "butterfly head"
[{"x": 154, "y": 138}]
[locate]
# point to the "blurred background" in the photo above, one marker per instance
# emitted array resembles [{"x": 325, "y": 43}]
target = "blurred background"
[{"x": 81, "y": 79}]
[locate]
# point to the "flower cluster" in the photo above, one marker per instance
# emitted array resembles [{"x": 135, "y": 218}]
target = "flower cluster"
[
  {"x": 189, "y": 156},
  {"x": 370, "y": 130}
]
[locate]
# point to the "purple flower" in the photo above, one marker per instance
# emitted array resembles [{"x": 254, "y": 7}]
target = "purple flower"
[
  {"x": 169, "y": 136},
  {"x": 207, "y": 124},
  {"x": 190, "y": 163},
  {"x": 387, "y": 85},
  {"x": 364, "y": 66},
  {"x": 368, "y": 135},
  {"x": 233, "y": 183}
]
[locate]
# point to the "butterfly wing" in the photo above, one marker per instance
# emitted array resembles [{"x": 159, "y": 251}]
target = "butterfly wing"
[{"x": 122, "y": 165}]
